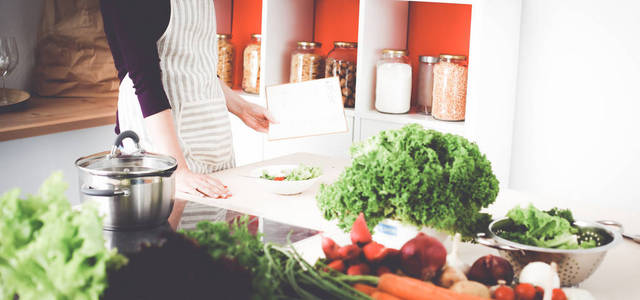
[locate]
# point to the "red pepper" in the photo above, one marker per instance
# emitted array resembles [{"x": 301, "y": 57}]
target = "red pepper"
[
  {"x": 382, "y": 270},
  {"x": 359, "y": 269},
  {"x": 360, "y": 234},
  {"x": 337, "y": 265},
  {"x": 278, "y": 178},
  {"x": 349, "y": 252},
  {"x": 330, "y": 248}
]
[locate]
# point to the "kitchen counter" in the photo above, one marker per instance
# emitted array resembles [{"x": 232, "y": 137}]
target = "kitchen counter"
[{"x": 616, "y": 278}]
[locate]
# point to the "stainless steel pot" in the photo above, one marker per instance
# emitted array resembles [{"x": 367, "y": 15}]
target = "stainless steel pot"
[
  {"x": 132, "y": 191},
  {"x": 574, "y": 265}
]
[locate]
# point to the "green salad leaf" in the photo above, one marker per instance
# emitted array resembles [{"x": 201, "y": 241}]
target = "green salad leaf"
[
  {"x": 48, "y": 250},
  {"x": 302, "y": 172},
  {"x": 547, "y": 229},
  {"x": 417, "y": 176}
]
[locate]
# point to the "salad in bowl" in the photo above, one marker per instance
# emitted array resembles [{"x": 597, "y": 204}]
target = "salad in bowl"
[{"x": 287, "y": 179}]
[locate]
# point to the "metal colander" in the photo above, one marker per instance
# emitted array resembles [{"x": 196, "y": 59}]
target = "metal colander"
[{"x": 574, "y": 266}]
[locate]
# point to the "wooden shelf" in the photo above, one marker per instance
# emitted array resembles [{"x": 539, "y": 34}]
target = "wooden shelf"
[{"x": 51, "y": 115}]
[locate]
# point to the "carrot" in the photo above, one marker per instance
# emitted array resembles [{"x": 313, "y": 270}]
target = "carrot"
[
  {"x": 383, "y": 296},
  {"x": 413, "y": 289},
  {"x": 367, "y": 289}
]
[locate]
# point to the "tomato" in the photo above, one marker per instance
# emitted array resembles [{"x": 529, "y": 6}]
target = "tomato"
[
  {"x": 525, "y": 291},
  {"x": 504, "y": 293},
  {"x": 558, "y": 294},
  {"x": 278, "y": 178}
]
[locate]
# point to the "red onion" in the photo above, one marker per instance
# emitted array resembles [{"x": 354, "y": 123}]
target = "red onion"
[{"x": 423, "y": 256}]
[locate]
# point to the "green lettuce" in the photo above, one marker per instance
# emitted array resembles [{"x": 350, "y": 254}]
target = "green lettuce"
[
  {"x": 546, "y": 229},
  {"x": 50, "y": 251},
  {"x": 417, "y": 176}
]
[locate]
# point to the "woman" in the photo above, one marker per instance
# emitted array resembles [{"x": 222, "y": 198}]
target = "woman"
[{"x": 166, "y": 54}]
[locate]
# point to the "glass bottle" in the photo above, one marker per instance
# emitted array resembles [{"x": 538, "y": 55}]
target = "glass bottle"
[
  {"x": 225, "y": 59},
  {"x": 306, "y": 62},
  {"x": 450, "y": 88},
  {"x": 251, "y": 66},
  {"x": 393, "y": 82},
  {"x": 425, "y": 82},
  {"x": 341, "y": 62}
]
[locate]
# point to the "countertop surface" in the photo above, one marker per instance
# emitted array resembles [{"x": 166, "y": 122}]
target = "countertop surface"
[{"x": 616, "y": 278}]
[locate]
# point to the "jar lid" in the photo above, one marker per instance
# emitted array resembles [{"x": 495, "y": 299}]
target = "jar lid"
[
  {"x": 453, "y": 56},
  {"x": 429, "y": 59},
  {"x": 310, "y": 44},
  {"x": 116, "y": 164},
  {"x": 256, "y": 35},
  {"x": 394, "y": 51},
  {"x": 223, "y": 36},
  {"x": 345, "y": 44}
]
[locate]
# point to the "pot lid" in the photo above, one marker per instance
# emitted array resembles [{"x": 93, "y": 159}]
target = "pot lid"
[{"x": 139, "y": 163}]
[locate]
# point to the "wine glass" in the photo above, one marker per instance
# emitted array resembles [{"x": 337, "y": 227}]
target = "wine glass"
[{"x": 8, "y": 61}]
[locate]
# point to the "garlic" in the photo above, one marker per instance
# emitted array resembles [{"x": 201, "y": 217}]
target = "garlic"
[
  {"x": 452, "y": 258},
  {"x": 540, "y": 274}
]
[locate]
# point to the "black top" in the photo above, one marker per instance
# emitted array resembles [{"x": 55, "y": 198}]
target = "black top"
[{"x": 133, "y": 28}]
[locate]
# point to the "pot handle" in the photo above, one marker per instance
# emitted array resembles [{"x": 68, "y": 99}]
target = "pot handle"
[
  {"x": 123, "y": 135},
  {"x": 89, "y": 191},
  {"x": 482, "y": 239}
]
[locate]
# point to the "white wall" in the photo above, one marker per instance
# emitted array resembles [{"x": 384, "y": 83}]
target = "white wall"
[
  {"x": 577, "y": 122},
  {"x": 26, "y": 163}
]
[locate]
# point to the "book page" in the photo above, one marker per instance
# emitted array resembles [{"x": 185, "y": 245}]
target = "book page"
[{"x": 306, "y": 109}]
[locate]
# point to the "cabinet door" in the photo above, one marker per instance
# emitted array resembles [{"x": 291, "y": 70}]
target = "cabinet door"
[
  {"x": 370, "y": 128},
  {"x": 330, "y": 145}
]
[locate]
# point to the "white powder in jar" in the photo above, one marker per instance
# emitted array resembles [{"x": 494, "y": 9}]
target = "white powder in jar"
[{"x": 393, "y": 88}]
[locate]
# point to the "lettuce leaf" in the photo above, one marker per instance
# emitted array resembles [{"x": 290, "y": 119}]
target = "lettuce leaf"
[
  {"x": 48, "y": 250},
  {"x": 546, "y": 229}
]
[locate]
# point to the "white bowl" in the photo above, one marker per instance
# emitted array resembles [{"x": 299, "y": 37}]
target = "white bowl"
[{"x": 285, "y": 187}]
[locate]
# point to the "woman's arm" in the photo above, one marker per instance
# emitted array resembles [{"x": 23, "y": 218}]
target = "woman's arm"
[{"x": 254, "y": 116}]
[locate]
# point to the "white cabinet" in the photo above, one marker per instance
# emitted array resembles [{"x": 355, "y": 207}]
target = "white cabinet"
[{"x": 487, "y": 31}]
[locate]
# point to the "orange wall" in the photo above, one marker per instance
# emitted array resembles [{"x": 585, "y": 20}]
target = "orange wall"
[
  {"x": 436, "y": 28},
  {"x": 335, "y": 20},
  {"x": 247, "y": 19}
]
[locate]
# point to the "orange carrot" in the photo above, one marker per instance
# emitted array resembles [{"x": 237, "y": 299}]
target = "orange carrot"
[
  {"x": 413, "y": 289},
  {"x": 383, "y": 296},
  {"x": 367, "y": 289}
]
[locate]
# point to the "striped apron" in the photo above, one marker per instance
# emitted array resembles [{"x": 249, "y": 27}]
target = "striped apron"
[{"x": 188, "y": 60}]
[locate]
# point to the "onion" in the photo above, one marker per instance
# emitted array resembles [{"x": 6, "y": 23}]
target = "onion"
[
  {"x": 422, "y": 257},
  {"x": 489, "y": 269}
]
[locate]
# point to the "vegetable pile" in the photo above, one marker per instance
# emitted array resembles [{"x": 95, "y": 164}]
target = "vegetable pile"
[
  {"x": 546, "y": 229},
  {"x": 302, "y": 172},
  {"x": 416, "y": 176},
  {"x": 48, "y": 250},
  {"x": 422, "y": 270}
]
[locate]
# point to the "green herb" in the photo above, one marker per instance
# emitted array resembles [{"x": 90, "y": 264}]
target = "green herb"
[
  {"x": 550, "y": 229},
  {"x": 302, "y": 172},
  {"x": 48, "y": 250},
  {"x": 420, "y": 177},
  {"x": 277, "y": 273}
]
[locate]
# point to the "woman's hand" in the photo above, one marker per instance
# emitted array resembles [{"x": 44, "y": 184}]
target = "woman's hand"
[
  {"x": 256, "y": 117},
  {"x": 200, "y": 184}
]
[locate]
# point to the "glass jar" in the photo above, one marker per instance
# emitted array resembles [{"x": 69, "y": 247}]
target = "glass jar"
[
  {"x": 393, "y": 82},
  {"x": 341, "y": 62},
  {"x": 450, "y": 88},
  {"x": 251, "y": 66},
  {"x": 425, "y": 82},
  {"x": 306, "y": 62},
  {"x": 225, "y": 59}
]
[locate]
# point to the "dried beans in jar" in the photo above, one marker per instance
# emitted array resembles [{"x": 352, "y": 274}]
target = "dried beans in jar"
[
  {"x": 225, "y": 59},
  {"x": 450, "y": 88},
  {"x": 306, "y": 62},
  {"x": 341, "y": 62},
  {"x": 251, "y": 66}
]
